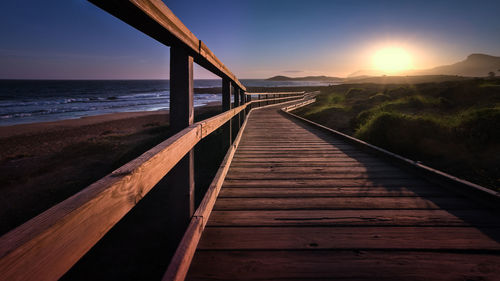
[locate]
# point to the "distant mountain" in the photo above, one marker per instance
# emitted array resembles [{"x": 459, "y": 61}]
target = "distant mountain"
[
  {"x": 475, "y": 65},
  {"x": 307, "y": 78},
  {"x": 364, "y": 73},
  {"x": 409, "y": 79}
]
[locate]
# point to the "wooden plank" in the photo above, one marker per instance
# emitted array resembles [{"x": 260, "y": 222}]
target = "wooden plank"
[
  {"x": 211, "y": 124},
  {"x": 304, "y": 192},
  {"x": 476, "y": 192},
  {"x": 305, "y": 159},
  {"x": 45, "y": 247},
  {"x": 327, "y": 165},
  {"x": 269, "y": 169},
  {"x": 299, "y": 154},
  {"x": 343, "y": 203},
  {"x": 318, "y": 175},
  {"x": 291, "y": 210},
  {"x": 338, "y": 238},
  {"x": 326, "y": 183},
  {"x": 183, "y": 255},
  {"x": 343, "y": 265},
  {"x": 308, "y": 148},
  {"x": 250, "y": 144},
  {"x": 477, "y": 218},
  {"x": 179, "y": 265}
]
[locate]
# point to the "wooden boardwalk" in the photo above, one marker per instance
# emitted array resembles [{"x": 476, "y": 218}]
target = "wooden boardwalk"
[{"x": 299, "y": 203}]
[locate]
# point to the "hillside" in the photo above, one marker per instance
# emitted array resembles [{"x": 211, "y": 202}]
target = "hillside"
[
  {"x": 451, "y": 126},
  {"x": 306, "y": 78},
  {"x": 405, "y": 79},
  {"x": 475, "y": 65}
]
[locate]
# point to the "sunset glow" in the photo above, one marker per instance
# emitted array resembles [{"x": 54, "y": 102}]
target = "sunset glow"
[{"x": 392, "y": 59}]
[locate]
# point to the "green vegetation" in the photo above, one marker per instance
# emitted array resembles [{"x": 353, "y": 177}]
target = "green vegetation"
[{"x": 452, "y": 126}]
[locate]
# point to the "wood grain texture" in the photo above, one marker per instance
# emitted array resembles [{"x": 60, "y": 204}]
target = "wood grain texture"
[
  {"x": 338, "y": 192},
  {"x": 343, "y": 265},
  {"x": 344, "y": 238},
  {"x": 211, "y": 124},
  {"x": 299, "y": 204},
  {"x": 353, "y": 218},
  {"x": 343, "y": 203},
  {"x": 382, "y": 182},
  {"x": 46, "y": 246},
  {"x": 181, "y": 260}
]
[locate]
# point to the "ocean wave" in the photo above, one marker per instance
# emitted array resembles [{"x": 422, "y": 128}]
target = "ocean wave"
[
  {"x": 36, "y": 109},
  {"x": 18, "y": 115},
  {"x": 154, "y": 90},
  {"x": 148, "y": 95}
]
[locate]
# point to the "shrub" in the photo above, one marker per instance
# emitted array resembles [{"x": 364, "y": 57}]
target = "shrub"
[
  {"x": 354, "y": 93},
  {"x": 401, "y": 133},
  {"x": 379, "y": 97},
  {"x": 480, "y": 126}
]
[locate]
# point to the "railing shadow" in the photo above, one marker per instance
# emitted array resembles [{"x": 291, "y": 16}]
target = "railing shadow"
[{"x": 472, "y": 213}]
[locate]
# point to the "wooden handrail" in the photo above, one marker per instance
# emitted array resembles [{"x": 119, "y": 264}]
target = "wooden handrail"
[
  {"x": 182, "y": 258},
  {"x": 48, "y": 245},
  {"x": 277, "y": 93},
  {"x": 45, "y": 247},
  {"x": 155, "y": 19},
  {"x": 276, "y": 99}
]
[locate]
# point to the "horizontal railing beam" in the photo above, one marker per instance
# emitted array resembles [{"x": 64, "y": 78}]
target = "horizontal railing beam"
[
  {"x": 48, "y": 245},
  {"x": 155, "y": 19},
  {"x": 277, "y": 93},
  {"x": 275, "y": 99},
  {"x": 179, "y": 265}
]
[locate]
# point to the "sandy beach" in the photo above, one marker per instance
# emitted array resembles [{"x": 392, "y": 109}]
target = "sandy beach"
[{"x": 41, "y": 164}]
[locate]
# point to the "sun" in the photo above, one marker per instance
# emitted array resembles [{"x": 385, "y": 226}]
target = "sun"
[{"x": 392, "y": 59}]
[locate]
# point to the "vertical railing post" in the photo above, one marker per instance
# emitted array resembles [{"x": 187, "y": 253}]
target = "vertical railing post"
[
  {"x": 249, "y": 99},
  {"x": 242, "y": 102},
  {"x": 236, "y": 104},
  {"x": 226, "y": 105},
  {"x": 181, "y": 116}
]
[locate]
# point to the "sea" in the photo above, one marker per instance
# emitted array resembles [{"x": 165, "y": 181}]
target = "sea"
[{"x": 32, "y": 101}]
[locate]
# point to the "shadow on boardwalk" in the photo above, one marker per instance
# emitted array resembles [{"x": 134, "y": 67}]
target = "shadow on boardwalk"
[{"x": 411, "y": 183}]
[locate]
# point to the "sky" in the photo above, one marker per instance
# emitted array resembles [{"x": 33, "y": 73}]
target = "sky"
[{"x": 73, "y": 39}]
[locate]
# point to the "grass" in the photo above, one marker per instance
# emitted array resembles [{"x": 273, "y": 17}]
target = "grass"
[{"x": 452, "y": 125}]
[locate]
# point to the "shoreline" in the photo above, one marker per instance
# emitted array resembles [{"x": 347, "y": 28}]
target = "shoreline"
[
  {"x": 44, "y": 163},
  {"x": 37, "y": 127}
]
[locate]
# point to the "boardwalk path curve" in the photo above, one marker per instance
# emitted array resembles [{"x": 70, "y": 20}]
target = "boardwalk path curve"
[{"x": 299, "y": 203}]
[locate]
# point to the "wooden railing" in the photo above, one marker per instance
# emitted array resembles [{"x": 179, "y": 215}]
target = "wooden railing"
[{"x": 48, "y": 245}]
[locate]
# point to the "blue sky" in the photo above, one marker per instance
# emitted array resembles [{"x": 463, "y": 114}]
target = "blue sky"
[{"x": 73, "y": 39}]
